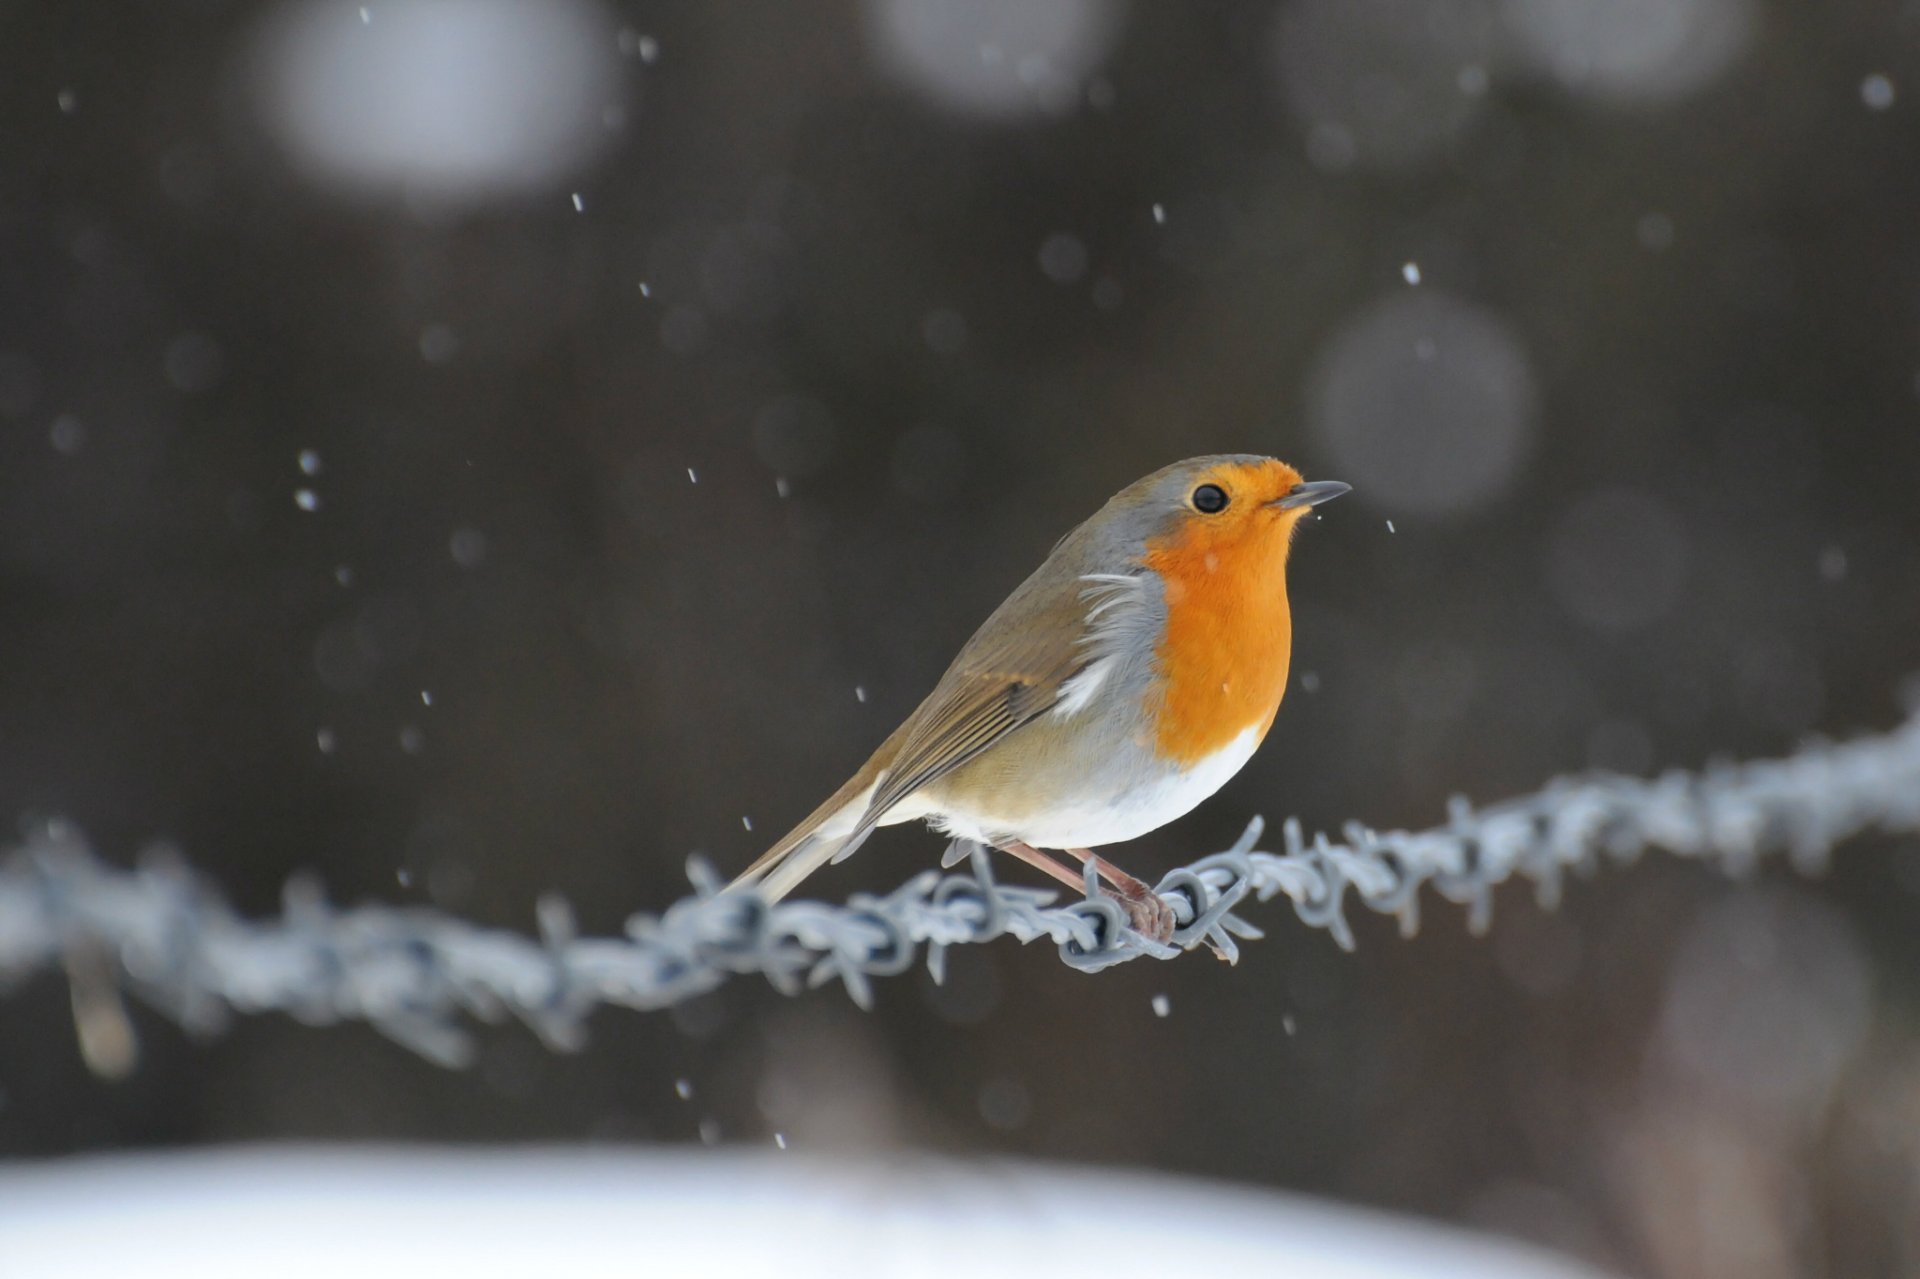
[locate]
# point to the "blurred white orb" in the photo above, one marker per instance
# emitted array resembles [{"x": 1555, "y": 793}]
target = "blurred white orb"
[
  {"x": 993, "y": 59},
  {"x": 1382, "y": 83},
  {"x": 1617, "y": 560},
  {"x": 1063, "y": 258},
  {"x": 1770, "y": 998},
  {"x": 1877, "y": 92},
  {"x": 794, "y": 435},
  {"x": 1631, "y": 50},
  {"x": 447, "y": 100},
  {"x": 930, "y": 463},
  {"x": 1425, "y": 404}
]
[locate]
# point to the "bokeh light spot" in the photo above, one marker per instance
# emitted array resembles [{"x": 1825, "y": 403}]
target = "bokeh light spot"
[
  {"x": 1769, "y": 998},
  {"x": 446, "y": 101},
  {"x": 1382, "y": 83},
  {"x": 993, "y": 59},
  {"x": 793, "y": 435},
  {"x": 1631, "y": 50},
  {"x": 1618, "y": 559},
  {"x": 1425, "y": 404}
]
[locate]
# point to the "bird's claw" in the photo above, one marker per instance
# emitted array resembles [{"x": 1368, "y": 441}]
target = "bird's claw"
[{"x": 1148, "y": 912}]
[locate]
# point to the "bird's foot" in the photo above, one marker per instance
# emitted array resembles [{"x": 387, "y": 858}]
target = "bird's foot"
[
  {"x": 1152, "y": 916},
  {"x": 1147, "y": 911}
]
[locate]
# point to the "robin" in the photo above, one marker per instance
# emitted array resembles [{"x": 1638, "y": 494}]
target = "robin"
[{"x": 1125, "y": 681}]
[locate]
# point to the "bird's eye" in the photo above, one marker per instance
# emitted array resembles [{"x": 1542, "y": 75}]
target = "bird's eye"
[{"x": 1209, "y": 499}]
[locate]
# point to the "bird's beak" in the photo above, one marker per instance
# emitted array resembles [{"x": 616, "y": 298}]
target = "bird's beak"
[{"x": 1311, "y": 494}]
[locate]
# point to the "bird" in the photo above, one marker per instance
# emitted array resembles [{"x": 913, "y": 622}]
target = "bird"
[{"x": 1123, "y": 683}]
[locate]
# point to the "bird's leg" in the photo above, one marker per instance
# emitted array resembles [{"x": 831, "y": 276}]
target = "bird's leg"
[
  {"x": 1040, "y": 861},
  {"x": 1146, "y": 911},
  {"x": 1151, "y": 915}
]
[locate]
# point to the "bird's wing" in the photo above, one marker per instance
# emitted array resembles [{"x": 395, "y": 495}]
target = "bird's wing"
[
  {"x": 1004, "y": 678},
  {"x": 972, "y": 713},
  {"x": 1007, "y": 675}
]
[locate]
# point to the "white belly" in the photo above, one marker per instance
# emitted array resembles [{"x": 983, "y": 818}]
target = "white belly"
[{"x": 1114, "y": 818}]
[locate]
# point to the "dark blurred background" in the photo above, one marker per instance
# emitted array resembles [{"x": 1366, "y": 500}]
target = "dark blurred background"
[{"x": 470, "y": 448}]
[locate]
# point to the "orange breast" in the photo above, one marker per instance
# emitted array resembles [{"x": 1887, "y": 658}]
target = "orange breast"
[{"x": 1223, "y": 660}]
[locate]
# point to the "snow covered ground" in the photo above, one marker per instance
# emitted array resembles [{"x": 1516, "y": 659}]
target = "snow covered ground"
[{"x": 295, "y": 1212}]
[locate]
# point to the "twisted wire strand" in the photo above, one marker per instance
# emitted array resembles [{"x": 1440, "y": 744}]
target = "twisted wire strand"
[{"x": 164, "y": 933}]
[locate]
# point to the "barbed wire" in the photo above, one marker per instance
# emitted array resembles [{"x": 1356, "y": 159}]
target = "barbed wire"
[{"x": 164, "y": 933}]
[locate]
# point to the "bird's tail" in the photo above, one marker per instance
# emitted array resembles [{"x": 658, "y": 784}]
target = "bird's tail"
[{"x": 830, "y": 832}]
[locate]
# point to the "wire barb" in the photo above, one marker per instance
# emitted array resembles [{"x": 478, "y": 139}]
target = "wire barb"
[{"x": 163, "y": 933}]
